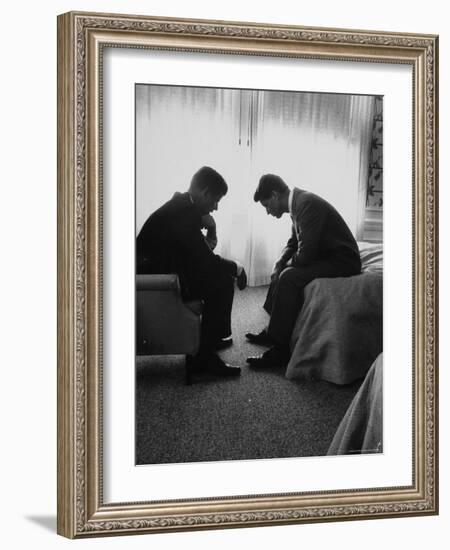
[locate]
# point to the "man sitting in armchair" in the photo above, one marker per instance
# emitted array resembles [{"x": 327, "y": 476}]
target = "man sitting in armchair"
[{"x": 171, "y": 241}]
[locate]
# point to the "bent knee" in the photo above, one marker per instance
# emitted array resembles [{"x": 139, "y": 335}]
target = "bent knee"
[
  {"x": 288, "y": 274},
  {"x": 294, "y": 277}
]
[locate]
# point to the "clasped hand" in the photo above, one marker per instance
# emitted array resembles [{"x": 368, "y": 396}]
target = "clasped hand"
[
  {"x": 209, "y": 223},
  {"x": 277, "y": 269}
]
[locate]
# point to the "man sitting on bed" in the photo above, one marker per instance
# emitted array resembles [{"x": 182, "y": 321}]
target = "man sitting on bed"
[
  {"x": 321, "y": 245},
  {"x": 171, "y": 241}
]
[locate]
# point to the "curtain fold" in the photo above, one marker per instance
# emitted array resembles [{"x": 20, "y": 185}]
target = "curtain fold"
[{"x": 315, "y": 141}]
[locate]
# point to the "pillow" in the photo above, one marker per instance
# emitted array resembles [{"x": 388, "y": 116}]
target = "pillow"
[{"x": 371, "y": 257}]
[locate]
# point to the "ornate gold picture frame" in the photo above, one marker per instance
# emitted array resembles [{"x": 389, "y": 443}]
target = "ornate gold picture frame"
[{"x": 82, "y": 509}]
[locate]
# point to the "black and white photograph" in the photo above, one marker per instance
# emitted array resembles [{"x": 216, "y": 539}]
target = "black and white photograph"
[
  {"x": 176, "y": 375},
  {"x": 259, "y": 274}
]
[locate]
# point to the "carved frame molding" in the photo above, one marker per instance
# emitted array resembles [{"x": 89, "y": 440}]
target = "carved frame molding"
[{"x": 81, "y": 37}]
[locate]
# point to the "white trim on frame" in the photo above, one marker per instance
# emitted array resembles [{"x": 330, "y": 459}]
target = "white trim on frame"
[{"x": 123, "y": 482}]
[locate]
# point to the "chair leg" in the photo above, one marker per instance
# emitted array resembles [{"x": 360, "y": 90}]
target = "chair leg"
[{"x": 189, "y": 369}]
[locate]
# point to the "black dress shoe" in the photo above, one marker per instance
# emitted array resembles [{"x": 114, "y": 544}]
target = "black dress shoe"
[
  {"x": 223, "y": 343},
  {"x": 218, "y": 367},
  {"x": 212, "y": 364},
  {"x": 262, "y": 339},
  {"x": 273, "y": 357}
]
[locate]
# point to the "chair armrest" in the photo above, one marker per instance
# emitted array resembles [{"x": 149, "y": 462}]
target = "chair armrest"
[
  {"x": 164, "y": 323},
  {"x": 196, "y": 306},
  {"x": 163, "y": 281}
]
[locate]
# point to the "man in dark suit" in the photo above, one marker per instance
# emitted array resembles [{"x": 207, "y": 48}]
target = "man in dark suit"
[
  {"x": 171, "y": 241},
  {"x": 321, "y": 245}
]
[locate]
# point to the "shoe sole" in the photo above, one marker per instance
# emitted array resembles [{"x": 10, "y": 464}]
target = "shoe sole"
[
  {"x": 223, "y": 345},
  {"x": 259, "y": 341}
]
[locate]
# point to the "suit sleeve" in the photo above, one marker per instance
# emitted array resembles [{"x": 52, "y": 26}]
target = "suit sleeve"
[
  {"x": 290, "y": 248},
  {"x": 207, "y": 267},
  {"x": 209, "y": 224},
  {"x": 310, "y": 219}
]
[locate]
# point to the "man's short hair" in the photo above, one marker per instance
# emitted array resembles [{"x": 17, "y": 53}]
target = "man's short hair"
[
  {"x": 208, "y": 178},
  {"x": 267, "y": 184}
]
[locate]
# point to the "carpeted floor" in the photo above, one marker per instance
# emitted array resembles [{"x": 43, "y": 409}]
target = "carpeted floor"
[{"x": 261, "y": 414}]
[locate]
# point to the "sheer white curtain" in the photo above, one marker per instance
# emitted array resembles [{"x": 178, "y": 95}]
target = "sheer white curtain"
[
  {"x": 179, "y": 130},
  {"x": 318, "y": 142}
]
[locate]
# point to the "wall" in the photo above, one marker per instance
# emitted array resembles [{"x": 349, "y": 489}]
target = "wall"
[{"x": 28, "y": 295}]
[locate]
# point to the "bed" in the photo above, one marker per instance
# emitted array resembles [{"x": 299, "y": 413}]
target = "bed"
[{"x": 339, "y": 331}]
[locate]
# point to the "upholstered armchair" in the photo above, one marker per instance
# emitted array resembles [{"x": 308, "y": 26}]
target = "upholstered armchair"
[{"x": 165, "y": 325}]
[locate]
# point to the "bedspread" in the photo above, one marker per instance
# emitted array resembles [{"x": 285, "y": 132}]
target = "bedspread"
[
  {"x": 361, "y": 429},
  {"x": 339, "y": 331}
]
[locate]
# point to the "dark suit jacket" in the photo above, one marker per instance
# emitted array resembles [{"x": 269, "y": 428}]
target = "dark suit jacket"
[
  {"x": 318, "y": 233},
  {"x": 171, "y": 241}
]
